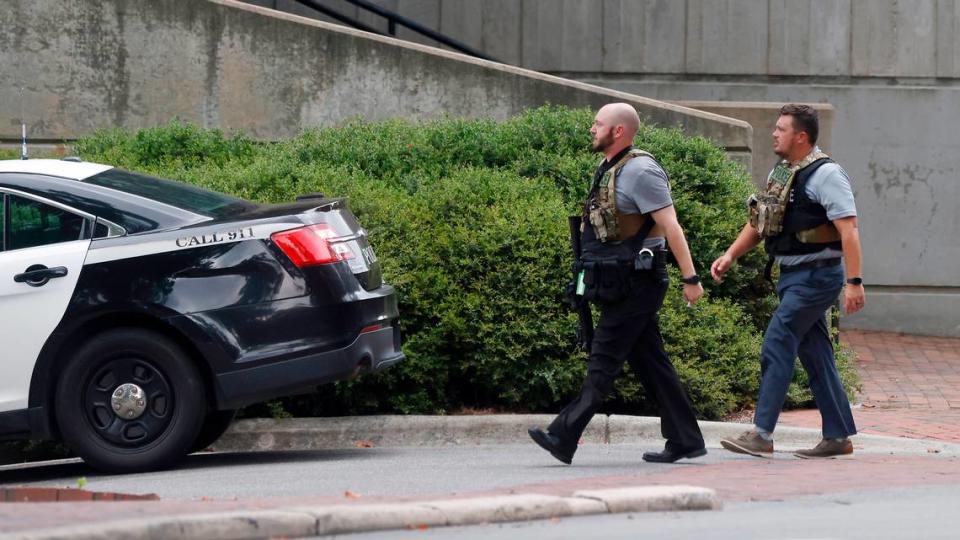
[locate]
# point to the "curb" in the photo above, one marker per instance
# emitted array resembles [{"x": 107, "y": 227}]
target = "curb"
[
  {"x": 345, "y": 519},
  {"x": 365, "y": 431}
]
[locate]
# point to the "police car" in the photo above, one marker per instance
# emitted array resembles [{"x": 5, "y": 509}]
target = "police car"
[{"x": 137, "y": 313}]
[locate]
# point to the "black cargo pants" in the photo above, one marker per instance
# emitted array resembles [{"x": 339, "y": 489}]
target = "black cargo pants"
[{"x": 628, "y": 331}]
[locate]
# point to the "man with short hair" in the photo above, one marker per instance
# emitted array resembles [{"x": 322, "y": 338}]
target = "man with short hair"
[
  {"x": 808, "y": 222},
  {"x": 628, "y": 220}
]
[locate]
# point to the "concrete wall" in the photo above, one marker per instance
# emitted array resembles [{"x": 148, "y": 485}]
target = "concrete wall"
[
  {"x": 897, "y": 144},
  {"x": 762, "y": 116},
  {"x": 896, "y": 38},
  {"x": 890, "y": 68},
  {"x": 92, "y": 64}
]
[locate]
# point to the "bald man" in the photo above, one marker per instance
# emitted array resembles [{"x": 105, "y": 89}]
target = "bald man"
[{"x": 628, "y": 221}]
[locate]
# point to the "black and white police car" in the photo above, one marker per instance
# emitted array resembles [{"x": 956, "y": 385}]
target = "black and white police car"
[{"x": 137, "y": 313}]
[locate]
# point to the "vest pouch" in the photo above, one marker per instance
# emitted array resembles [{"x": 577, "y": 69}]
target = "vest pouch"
[
  {"x": 769, "y": 217},
  {"x": 604, "y": 224},
  {"x": 591, "y": 279},
  {"x": 605, "y": 281},
  {"x": 753, "y": 205}
]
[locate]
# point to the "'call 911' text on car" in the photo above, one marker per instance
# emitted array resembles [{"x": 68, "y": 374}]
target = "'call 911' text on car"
[{"x": 137, "y": 313}]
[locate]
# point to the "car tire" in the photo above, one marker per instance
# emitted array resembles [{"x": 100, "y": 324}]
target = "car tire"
[
  {"x": 214, "y": 426},
  {"x": 130, "y": 400}
]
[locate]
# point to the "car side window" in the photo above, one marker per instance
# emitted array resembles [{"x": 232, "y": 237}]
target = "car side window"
[
  {"x": 100, "y": 230},
  {"x": 32, "y": 223}
]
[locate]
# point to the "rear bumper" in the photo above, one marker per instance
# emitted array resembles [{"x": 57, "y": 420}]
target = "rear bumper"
[
  {"x": 371, "y": 351},
  {"x": 284, "y": 347}
]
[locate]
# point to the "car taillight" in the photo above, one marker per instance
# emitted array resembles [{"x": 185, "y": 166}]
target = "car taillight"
[{"x": 311, "y": 245}]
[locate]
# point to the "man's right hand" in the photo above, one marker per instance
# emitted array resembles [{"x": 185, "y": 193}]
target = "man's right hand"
[{"x": 720, "y": 267}]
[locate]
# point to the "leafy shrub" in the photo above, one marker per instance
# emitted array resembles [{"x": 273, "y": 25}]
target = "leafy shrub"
[
  {"x": 176, "y": 144},
  {"x": 468, "y": 219}
]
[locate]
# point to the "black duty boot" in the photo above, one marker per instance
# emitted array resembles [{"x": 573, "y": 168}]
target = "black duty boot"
[
  {"x": 551, "y": 443},
  {"x": 669, "y": 456}
]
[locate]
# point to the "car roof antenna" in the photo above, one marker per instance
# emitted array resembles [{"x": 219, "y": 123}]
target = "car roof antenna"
[{"x": 23, "y": 129}]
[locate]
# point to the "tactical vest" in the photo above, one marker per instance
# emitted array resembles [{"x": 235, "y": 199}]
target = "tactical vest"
[
  {"x": 610, "y": 241},
  {"x": 789, "y": 221},
  {"x": 600, "y": 211}
]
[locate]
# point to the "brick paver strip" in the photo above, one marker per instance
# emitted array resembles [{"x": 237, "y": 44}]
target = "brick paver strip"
[
  {"x": 910, "y": 386},
  {"x": 47, "y": 495}
]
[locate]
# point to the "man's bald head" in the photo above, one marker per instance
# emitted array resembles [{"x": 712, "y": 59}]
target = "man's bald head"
[
  {"x": 622, "y": 114},
  {"x": 614, "y": 127}
]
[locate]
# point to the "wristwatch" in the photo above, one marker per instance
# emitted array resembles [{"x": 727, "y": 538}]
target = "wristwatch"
[
  {"x": 855, "y": 281},
  {"x": 692, "y": 280}
]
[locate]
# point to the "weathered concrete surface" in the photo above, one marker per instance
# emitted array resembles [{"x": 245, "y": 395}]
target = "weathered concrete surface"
[
  {"x": 121, "y": 63},
  {"x": 890, "y": 67},
  {"x": 895, "y": 38},
  {"x": 901, "y": 157}
]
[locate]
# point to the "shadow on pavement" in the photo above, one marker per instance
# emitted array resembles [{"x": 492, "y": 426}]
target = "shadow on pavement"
[{"x": 72, "y": 469}]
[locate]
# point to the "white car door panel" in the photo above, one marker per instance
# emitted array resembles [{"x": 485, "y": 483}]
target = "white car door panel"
[
  {"x": 30, "y": 312},
  {"x": 40, "y": 262}
]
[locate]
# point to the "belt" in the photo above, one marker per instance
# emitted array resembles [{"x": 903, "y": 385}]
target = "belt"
[{"x": 819, "y": 263}]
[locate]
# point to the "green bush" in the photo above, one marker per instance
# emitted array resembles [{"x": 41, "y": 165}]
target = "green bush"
[
  {"x": 468, "y": 219},
  {"x": 175, "y": 145}
]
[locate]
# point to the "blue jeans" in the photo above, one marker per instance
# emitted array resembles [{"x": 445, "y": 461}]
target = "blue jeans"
[{"x": 799, "y": 327}]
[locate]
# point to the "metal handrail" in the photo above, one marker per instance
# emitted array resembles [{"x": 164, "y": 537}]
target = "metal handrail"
[
  {"x": 334, "y": 14},
  {"x": 393, "y": 19}
]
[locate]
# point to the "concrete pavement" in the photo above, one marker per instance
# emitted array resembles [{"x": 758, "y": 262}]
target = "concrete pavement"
[
  {"x": 536, "y": 486},
  {"x": 914, "y": 365}
]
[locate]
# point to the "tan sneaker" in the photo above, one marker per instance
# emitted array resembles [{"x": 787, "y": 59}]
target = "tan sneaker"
[
  {"x": 827, "y": 448},
  {"x": 749, "y": 442}
]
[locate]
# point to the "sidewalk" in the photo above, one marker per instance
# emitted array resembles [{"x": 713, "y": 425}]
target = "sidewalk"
[{"x": 911, "y": 387}]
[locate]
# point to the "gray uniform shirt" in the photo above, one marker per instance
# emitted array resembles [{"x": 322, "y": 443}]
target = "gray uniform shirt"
[
  {"x": 830, "y": 186},
  {"x": 642, "y": 187}
]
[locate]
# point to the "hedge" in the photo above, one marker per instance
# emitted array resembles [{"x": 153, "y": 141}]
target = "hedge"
[{"x": 468, "y": 219}]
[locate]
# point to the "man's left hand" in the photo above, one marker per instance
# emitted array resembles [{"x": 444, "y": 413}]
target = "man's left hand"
[
  {"x": 854, "y": 298},
  {"x": 692, "y": 293}
]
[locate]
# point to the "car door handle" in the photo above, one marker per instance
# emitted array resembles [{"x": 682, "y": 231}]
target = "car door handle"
[{"x": 38, "y": 274}]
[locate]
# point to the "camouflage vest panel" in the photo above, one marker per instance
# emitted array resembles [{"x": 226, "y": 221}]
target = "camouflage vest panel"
[
  {"x": 767, "y": 209},
  {"x": 601, "y": 208}
]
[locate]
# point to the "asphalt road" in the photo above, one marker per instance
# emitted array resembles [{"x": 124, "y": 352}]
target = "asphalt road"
[
  {"x": 901, "y": 514},
  {"x": 292, "y": 478},
  {"x": 387, "y": 472}
]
